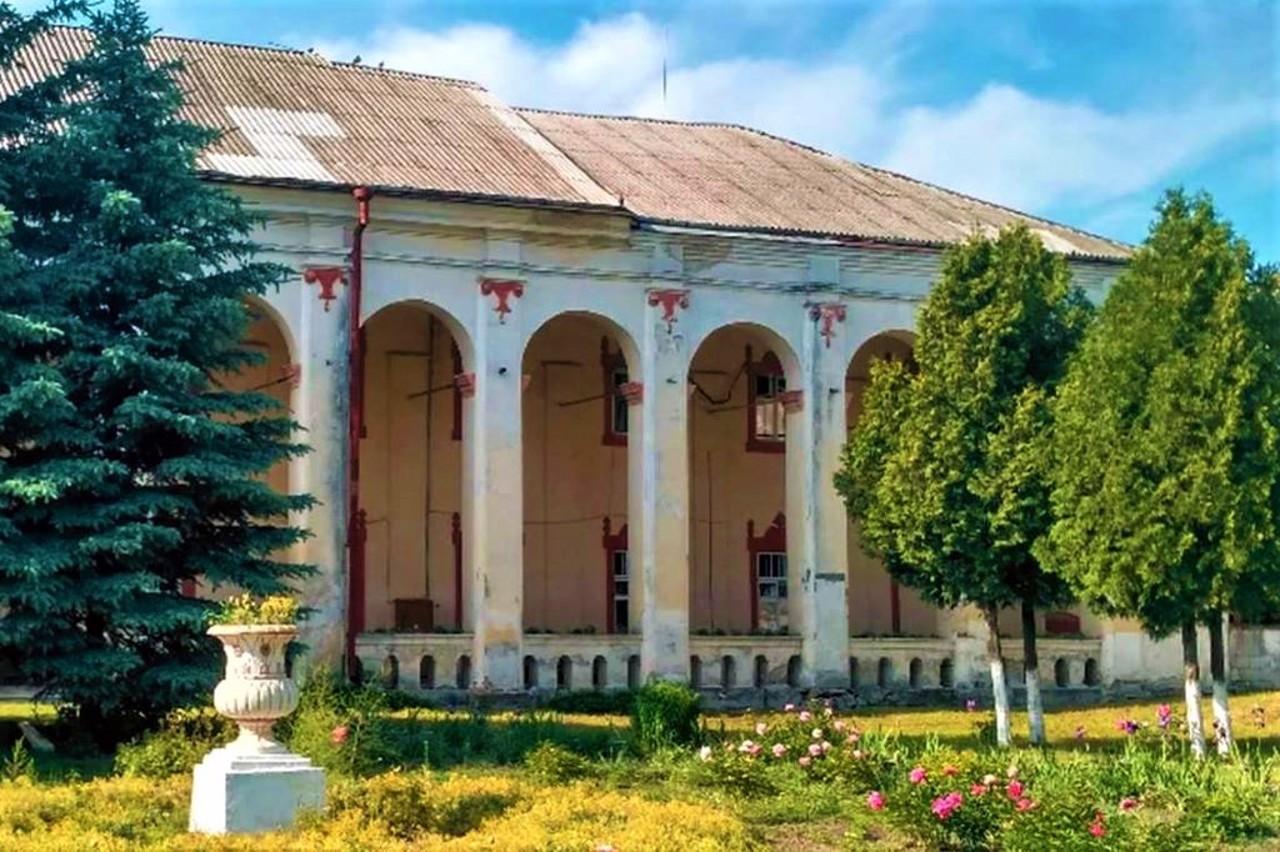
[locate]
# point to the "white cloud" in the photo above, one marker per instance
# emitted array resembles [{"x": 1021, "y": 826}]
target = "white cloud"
[
  {"x": 1001, "y": 144},
  {"x": 1028, "y": 152}
]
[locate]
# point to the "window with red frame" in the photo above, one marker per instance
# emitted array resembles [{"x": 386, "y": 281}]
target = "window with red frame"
[
  {"x": 766, "y": 415},
  {"x": 616, "y": 405}
]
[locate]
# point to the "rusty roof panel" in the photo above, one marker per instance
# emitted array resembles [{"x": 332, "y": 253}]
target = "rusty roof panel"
[
  {"x": 294, "y": 116},
  {"x": 733, "y": 177}
]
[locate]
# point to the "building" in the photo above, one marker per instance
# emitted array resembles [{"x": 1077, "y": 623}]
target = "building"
[{"x": 576, "y": 386}]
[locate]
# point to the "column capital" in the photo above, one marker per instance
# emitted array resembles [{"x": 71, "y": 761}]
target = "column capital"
[
  {"x": 669, "y": 300},
  {"x": 328, "y": 278},
  {"x": 827, "y": 314},
  {"x": 503, "y": 290}
]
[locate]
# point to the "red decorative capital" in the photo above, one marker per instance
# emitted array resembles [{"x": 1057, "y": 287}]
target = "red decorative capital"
[
  {"x": 503, "y": 290},
  {"x": 792, "y": 400},
  {"x": 669, "y": 300},
  {"x": 827, "y": 314},
  {"x": 328, "y": 277},
  {"x": 632, "y": 392},
  {"x": 466, "y": 384}
]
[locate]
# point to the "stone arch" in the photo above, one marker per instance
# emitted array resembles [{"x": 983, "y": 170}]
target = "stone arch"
[
  {"x": 599, "y": 673},
  {"x": 761, "y": 678},
  {"x": 884, "y": 673},
  {"x": 427, "y": 672},
  {"x": 728, "y": 672},
  {"x": 915, "y": 673},
  {"x": 1061, "y": 672},
  {"x": 417, "y": 370},
  {"x": 530, "y": 671},
  {"x": 946, "y": 674},
  {"x": 744, "y": 386},
  {"x": 580, "y": 388},
  {"x": 564, "y": 673}
]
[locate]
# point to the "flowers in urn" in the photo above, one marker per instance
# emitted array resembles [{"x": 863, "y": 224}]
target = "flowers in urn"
[{"x": 256, "y": 691}]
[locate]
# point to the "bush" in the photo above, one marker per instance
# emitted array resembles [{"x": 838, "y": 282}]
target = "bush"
[
  {"x": 184, "y": 738},
  {"x": 552, "y": 764},
  {"x": 666, "y": 714},
  {"x": 613, "y": 702},
  {"x": 481, "y": 739},
  {"x": 407, "y": 805},
  {"x": 342, "y": 728}
]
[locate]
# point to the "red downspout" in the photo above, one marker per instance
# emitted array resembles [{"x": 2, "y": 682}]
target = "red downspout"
[{"x": 356, "y": 519}]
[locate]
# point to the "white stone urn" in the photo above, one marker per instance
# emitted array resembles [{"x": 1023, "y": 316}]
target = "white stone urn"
[
  {"x": 255, "y": 783},
  {"x": 256, "y": 690}
]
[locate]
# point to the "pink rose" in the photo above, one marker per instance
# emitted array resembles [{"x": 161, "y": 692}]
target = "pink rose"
[
  {"x": 875, "y": 800},
  {"x": 805, "y": 716},
  {"x": 839, "y": 725},
  {"x": 779, "y": 749},
  {"x": 814, "y": 749},
  {"x": 976, "y": 789},
  {"x": 761, "y": 727},
  {"x": 787, "y": 708},
  {"x": 1024, "y": 804},
  {"x": 1014, "y": 789},
  {"x": 917, "y": 775},
  {"x": 339, "y": 735},
  {"x": 1128, "y": 803},
  {"x": 806, "y": 760}
]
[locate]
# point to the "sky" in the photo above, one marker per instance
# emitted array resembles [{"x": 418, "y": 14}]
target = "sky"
[{"x": 1082, "y": 112}]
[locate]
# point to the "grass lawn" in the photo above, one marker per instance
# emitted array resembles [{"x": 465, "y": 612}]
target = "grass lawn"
[{"x": 488, "y": 786}]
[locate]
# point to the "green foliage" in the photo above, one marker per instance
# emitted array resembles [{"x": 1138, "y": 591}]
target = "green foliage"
[
  {"x": 181, "y": 742},
  {"x": 612, "y": 702},
  {"x": 479, "y": 739},
  {"x": 553, "y": 764},
  {"x": 1167, "y": 445},
  {"x": 944, "y": 470},
  {"x": 666, "y": 714},
  {"x": 246, "y": 609},
  {"x": 342, "y": 728},
  {"x": 18, "y": 765},
  {"x": 126, "y": 468}
]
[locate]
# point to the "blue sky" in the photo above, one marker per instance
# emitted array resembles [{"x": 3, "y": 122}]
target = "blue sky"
[{"x": 1078, "y": 111}]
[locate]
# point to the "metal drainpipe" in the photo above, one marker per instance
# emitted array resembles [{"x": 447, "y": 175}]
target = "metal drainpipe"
[{"x": 357, "y": 526}]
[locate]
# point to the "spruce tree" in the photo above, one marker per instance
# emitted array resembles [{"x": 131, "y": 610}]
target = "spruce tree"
[
  {"x": 1167, "y": 443},
  {"x": 944, "y": 470},
  {"x": 126, "y": 466}
]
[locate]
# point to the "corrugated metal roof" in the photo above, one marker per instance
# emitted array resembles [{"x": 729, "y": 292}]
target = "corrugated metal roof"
[
  {"x": 297, "y": 117},
  {"x": 733, "y": 177}
]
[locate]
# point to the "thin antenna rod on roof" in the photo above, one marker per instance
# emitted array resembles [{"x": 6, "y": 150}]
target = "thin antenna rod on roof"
[{"x": 664, "y": 72}]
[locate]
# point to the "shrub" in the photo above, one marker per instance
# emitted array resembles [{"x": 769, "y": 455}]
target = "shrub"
[
  {"x": 613, "y": 702},
  {"x": 184, "y": 738},
  {"x": 246, "y": 609},
  {"x": 342, "y": 728},
  {"x": 483, "y": 739},
  {"x": 666, "y": 714},
  {"x": 553, "y": 764}
]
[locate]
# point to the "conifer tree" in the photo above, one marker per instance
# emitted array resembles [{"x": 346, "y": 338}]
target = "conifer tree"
[
  {"x": 126, "y": 467},
  {"x": 944, "y": 468},
  {"x": 1167, "y": 444}
]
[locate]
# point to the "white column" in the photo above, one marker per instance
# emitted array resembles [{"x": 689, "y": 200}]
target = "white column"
[
  {"x": 660, "y": 539},
  {"x": 817, "y": 544},
  {"x": 493, "y": 490},
  {"x": 320, "y": 406}
]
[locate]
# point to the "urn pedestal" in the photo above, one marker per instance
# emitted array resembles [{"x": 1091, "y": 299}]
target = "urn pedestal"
[{"x": 254, "y": 783}]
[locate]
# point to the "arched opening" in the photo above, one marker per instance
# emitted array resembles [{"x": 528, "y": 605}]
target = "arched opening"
[
  {"x": 946, "y": 674},
  {"x": 564, "y": 673},
  {"x": 389, "y": 675},
  {"x": 884, "y": 673},
  {"x": 633, "y": 672},
  {"x": 427, "y": 673},
  {"x": 742, "y": 381},
  {"x": 1062, "y": 672},
  {"x": 599, "y": 673},
  {"x": 728, "y": 672},
  {"x": 695, "y": 671},
  {"x": 793, "y": 671},
  {"x": 577, "y": 412},
  {"x": 411, "y": 469},
  {"x": 915, "y": 672},
  {"x": 274, "y": 374},
  {"x": 853, "y": 672},
  {"x": 463, "y": 675},
  {"x": 761, "y": 678},
  {"x": 879, "y": 606},
  {"x": 530, "y": 672},
  {"x": 1091, "y": 677}
]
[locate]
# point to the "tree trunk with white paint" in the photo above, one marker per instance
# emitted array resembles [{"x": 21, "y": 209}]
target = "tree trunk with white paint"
[
  {"x": 1191, "y": 688},
  {"x": 1031, "y": 667},
  {"x": 999, "y": 688},
  {"x": 1218, "y": 671}
]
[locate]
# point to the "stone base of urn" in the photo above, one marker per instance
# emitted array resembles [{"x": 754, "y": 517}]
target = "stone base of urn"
[
  {"x": 254, "y": 784},
  {"x": 234, "y": 792}
]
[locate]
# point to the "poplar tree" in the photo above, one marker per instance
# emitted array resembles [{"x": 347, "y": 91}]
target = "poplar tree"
[
  {"x": 1165, "y": 449},
  {"x": 944, "y": 469},
  {"x": 126, "y": 467}
]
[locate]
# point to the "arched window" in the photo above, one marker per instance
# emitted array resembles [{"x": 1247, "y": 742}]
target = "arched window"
[
  {"x": 599, "y": 673},
  {"x": 762, "y": 671},
  {"x": 884, "y": 673},
  {"x": 564, "y": 673},
  {"x": 914, "y": 672},
  {"x": 530, "y": 672},
  {"x": 695, "y": 672},
  {"x": 946, "y": 674},
  {"x": 728, "y": 672},
  {"x": 633, "y": 671},
  {"x": 1062, "y": 673},
  {"x": 463, "y": 676},
  {"x": 427, "y": 673},
  {"x": 853, "y": 672},
  {"x": 1091, "y": 677},
  {"x": 617, "y": 400},
  {"x": 390, "y": 674},
  {"x": 617, "y": 567},
  {"x": 793, "y": 671}
]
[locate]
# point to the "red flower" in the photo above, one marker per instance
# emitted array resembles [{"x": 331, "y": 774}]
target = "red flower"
[
  {"x": 339, "y": 735},
  {"x": 1014, "y": 790}
]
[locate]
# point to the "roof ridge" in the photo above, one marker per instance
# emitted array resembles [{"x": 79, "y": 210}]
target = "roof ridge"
[
  {"x": 679, "y": 122},
  {"x": 298, "y": 52}
]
